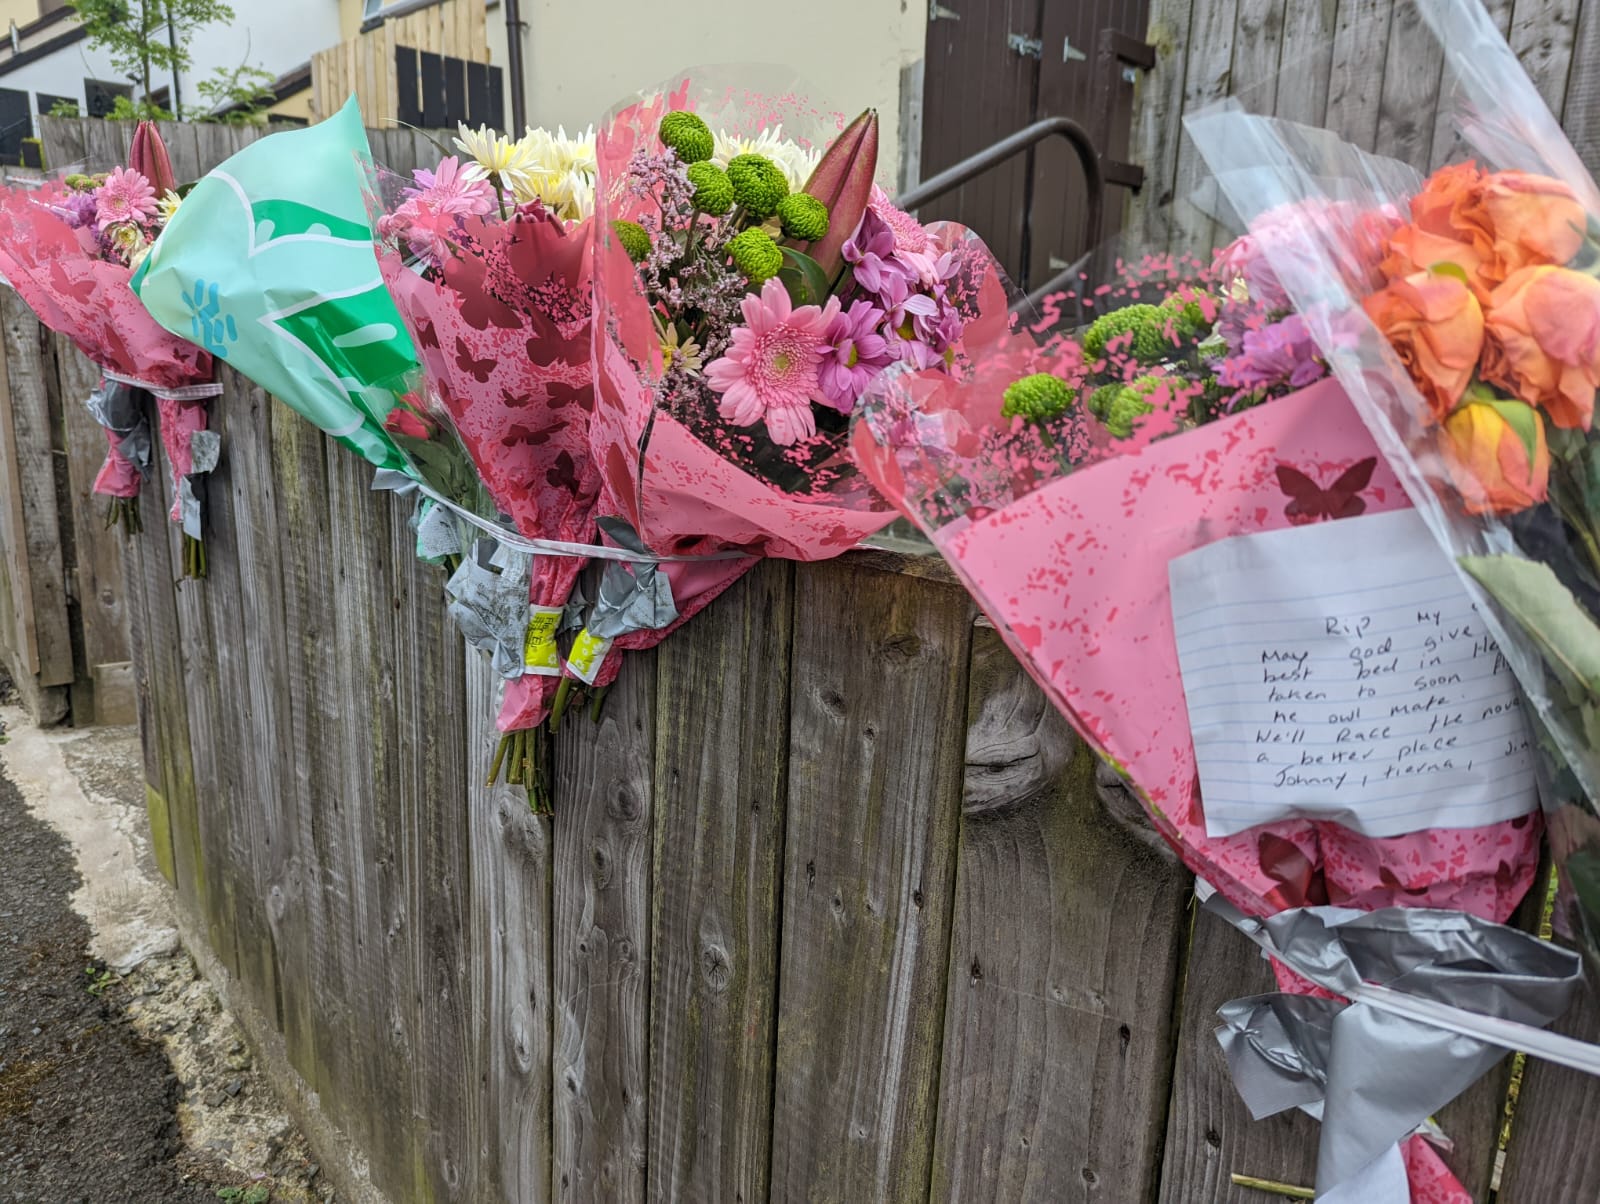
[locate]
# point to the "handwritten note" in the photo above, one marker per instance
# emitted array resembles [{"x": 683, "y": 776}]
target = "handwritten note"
[{"x": 1339, "y": 671}]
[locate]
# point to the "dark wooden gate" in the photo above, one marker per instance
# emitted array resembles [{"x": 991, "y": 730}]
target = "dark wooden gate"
[{"x": 994, "y": 66}]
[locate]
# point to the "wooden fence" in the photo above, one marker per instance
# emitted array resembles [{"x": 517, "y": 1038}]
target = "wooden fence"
[
  {"x": 1368, "y": 69},
  {"x": 833, "y": 907}
]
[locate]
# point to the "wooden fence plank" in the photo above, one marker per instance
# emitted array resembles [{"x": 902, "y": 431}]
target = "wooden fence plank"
[
  {"x": 1305, "y": 60},
  {"x": 1360, "y": 50},
  {"x": 1553, "y": 1154},
  {"x": 1207, "y": 79},
  {"x": 19, "y": 636},
  {"x": 877, "y": 720},
  {"x": 1210, "y": 1133},
  {"x": 1581, "y": 103},
  {"x": 512, "y": 883},
  {"x": 721, "y": 782},
  {"x": 1409, "y": 104},
  {"x": 1257, "y": 48},
  {"x": 100, "y": 591},
  {"x": 430, "y": 682},
  {"x": 1158, "y": 126},
  {"x": 601, "y": 1064},
  {"x": 1059, "y": 1020},
  {"x": 34, "y": 449},
  {"x": 1542, "y": 34}
]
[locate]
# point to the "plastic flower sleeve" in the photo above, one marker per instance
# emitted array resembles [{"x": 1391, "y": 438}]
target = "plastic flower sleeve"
[
  {"x": 1466, "y": 394},
  {"x": 269, "y": 265}
]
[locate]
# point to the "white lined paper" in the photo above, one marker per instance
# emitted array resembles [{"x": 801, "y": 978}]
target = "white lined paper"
[{"x": 1339, "y": 671}]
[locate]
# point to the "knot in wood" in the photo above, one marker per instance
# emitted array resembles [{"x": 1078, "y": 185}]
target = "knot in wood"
[
  {"x": 715, "y": 967},
  {"x": 900, "y": 649}
]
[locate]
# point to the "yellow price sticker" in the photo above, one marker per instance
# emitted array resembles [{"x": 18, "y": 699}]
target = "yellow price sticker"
[
  {"x": 540, "y": 655},
  {"x": 587, "y": 655}
]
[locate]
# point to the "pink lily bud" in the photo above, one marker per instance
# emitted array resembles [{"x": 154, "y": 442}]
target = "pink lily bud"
[
  {"x": 843, "y": 182},
  {"x": 149, "y": 158}
]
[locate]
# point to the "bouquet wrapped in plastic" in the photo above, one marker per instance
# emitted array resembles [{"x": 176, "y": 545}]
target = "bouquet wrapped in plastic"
[
  {"x": 269, "y": 265},
  {"x": 1158, "y": 512},
  {"x": 1473, "y": 354},
  {"x": 489, "y": 260},
  {"x": 750, "y": 282},
  {"x": 70, "y": 250}
]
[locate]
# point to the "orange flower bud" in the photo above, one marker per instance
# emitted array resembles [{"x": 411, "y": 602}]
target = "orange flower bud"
[{"x": 1497, "y": 456}]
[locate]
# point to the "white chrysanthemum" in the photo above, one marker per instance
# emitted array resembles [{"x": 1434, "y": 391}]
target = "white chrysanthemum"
[
  {"x": 513, "y": 164},
  {"x": 167, "y": 205},
  {"x": 557, "y": 152},
  {"x": 796, "y": 162},
  {"x": 563, "y": 171}
]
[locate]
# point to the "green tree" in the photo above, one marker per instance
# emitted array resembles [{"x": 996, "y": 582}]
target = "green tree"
[
  {"x": 247, "y": 89},
  {"x": 147, "y": 37}
]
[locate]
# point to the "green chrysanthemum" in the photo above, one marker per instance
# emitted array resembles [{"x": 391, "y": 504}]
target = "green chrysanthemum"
[
  {"x": 635, "y": 239},
  {"x": 1187, "y": 313},
  {"x": 1037, "y": 397},
  {"x": 804, "y": 218},
  {"x": 713, "y": 194},
  {"x": 1144, "y": 331},
  {"x": 758, "y": 184},
  {"x": 688, "y": 135},
  {"x": 755, "y": 254},
  {"x": 1120, "y": 406},
  {"x": 78, "y": 182}
]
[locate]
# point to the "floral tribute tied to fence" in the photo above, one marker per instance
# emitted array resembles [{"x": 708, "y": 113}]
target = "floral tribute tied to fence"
[
  {"x": 1180, "y": 522},
  {"x": 69, "y": 247}
]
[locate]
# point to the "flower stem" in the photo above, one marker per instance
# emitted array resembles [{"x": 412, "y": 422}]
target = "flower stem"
[
  {"x": 1277, "y": 1189},
  {"x": 599, "y": 702},
  {"x": 559, "y": 707},
  {"x": 499, "y": 758}
]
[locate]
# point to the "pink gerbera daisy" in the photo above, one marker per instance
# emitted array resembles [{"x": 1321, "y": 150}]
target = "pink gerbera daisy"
[
  {"x": 452, "y": 188},
  {"x": 126, "y": 196},
  {"x": 770, "y": 370},
  {"x": 909, "y": 234}
]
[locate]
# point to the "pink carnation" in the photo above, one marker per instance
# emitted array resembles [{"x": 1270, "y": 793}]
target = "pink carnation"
[{"x": 770, "y": 370}]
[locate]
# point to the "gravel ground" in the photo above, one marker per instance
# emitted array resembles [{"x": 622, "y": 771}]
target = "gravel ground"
[{"x": 134, "y": 1088}]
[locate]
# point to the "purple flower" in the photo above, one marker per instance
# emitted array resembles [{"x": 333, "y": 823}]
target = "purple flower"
[
  {"x": 870, "y": 251},
  {"x": 78, "y": 208},
  {"x": 854, "y": 353},
  {"x": 1275, "y": 355}
]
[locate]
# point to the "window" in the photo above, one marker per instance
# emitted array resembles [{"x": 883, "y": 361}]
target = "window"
[
  {"x": 16, "y": 123},
  {"x": 44, "y": 102},
  {"x": 101, "y": 97}
]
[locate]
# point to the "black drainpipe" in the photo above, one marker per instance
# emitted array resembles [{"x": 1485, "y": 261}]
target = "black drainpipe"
[{"x": 519, "y": 103}]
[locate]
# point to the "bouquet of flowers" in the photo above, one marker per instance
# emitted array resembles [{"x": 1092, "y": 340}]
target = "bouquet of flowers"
[
  {"x": 746, "y": 293},
  {"x": 1139, "y": 506},
  {"x": 1473, "y": 354},
  {"x": 70, "y": 249},
  {"x": 488, "y": 260}
]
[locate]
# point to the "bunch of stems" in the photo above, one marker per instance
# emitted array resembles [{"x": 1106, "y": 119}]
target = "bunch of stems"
[{"x": 124, "y": 512}]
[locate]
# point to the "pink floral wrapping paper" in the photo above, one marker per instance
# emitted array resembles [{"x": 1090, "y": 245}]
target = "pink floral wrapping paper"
[
  {"x": 179, "y": 421},
  {"x": 682, "y": 495},
  {"x": 1074, "y": 573},
  {"x": 57, "y": 272},
  {"x": 517, "y": 383}
]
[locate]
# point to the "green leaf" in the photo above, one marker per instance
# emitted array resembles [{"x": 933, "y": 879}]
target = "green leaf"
[
  {"x": 811, "y": 274},
  {"x": 1522, "y": 419},
  {"x": 1544, "y": 608},
  {"x": 1453, "y": 270}
]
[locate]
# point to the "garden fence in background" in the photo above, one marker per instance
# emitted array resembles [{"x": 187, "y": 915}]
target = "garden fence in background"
[{"x": 832, "y": 908}]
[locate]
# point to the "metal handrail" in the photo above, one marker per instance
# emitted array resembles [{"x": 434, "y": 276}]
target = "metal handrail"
[{"x": 992, "y": 156}]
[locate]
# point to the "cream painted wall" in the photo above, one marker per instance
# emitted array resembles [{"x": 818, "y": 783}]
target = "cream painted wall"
[
  {"x": 23, "y": 12},
  {"x": 584, "y": 57}
]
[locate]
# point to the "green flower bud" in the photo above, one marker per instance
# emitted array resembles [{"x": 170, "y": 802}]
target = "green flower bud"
[
  {"x": 635, "y": 239},
  {"x": 688, "y": 135},
  {"x": 1187, "y": 315},
  {"x": 1037, "y": 397},
  {"x": 78, "y": 182},
  {"x": 755, "y": 254},
  {"x": 758, "y": 184},
  {"x": 804, "y": 218},
  {"x": 713, "y": 194}
]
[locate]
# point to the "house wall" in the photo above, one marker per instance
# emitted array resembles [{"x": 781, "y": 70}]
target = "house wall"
[{"x": 583, "y": 58}]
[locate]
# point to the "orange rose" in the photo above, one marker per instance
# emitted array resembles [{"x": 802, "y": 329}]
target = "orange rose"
[
  {"x": 1531, "y": 220},
  {"x": 1497, "y": 456},
  {"x": 1435, "y": 325},
  {"x": 1444, "y": 226},
  {"x": 1542, "y": 343}
]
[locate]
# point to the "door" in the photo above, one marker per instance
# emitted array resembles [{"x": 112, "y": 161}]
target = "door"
[{"x": 995, "y": 66}]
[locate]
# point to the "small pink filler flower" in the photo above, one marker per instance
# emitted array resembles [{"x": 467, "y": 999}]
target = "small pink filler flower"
[
  {"x": 126, "y": 196},
  {"x": 770, "y": 370}
]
